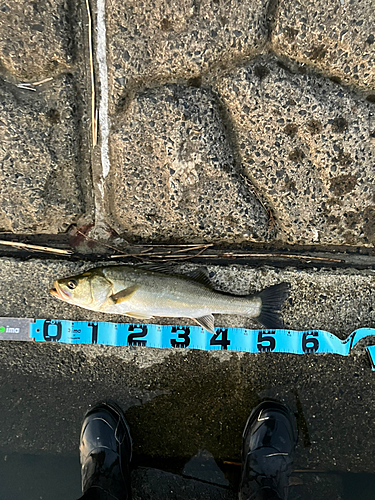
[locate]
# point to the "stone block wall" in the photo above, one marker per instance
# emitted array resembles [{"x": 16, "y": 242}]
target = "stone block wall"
[
  {"x": 45, "y": 176},
  {"x": 222, "y": 121}
]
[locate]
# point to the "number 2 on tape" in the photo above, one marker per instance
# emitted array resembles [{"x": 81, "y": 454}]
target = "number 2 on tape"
[{"x": 137, "y": 337}]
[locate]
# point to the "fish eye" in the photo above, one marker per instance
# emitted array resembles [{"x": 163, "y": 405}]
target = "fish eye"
[{"x": 72, "y": 284}]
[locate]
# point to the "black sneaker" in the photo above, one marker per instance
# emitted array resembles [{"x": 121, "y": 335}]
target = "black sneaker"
[
  {"x": 105, "y": 453},
  {"x": 269, "y": 440}
]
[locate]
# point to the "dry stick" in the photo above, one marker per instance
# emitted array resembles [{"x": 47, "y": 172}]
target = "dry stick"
[
  {"x": 96, "y": 125},
  {"x": 26, "y": 86},
  {"x": 167, "y": 255},
  {"x": 197, "y": 254},
  {"x": 42, "y": 81},
  {"x": 94, "y": 128},
  {"x": 230, "y": 256},
  {"x": 202, "y": 248},
  {"x": 146, "y": 252},
  {"x": 35, "y": 247},
  {"x": 198, "y": 247},
  {"x": 279, "y": 255},
  {"x": 176, "y": 246}
]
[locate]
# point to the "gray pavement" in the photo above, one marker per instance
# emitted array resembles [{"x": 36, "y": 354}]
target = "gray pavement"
[{"x": 246, "y": 124}]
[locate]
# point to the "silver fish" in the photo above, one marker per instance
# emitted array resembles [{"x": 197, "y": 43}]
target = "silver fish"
[{"x": 148, "y": 290}]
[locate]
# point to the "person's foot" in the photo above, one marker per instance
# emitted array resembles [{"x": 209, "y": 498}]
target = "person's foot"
[
  {"x": 105, "y": 453},
  {"x": 269, "y": 440}
]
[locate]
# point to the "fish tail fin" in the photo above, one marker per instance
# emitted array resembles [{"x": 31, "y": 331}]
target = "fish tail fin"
[{"x": 272, "y": 299}]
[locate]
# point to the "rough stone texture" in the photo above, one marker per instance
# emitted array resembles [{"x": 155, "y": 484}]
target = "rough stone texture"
[
  {"x": 36, "y": 38},
  {"x": 164, "y": 40},
  {"x": 336, "y": 37},
  {"x": 174, "y": 176},
  {"x": 39, "y": 158},
  {"x": 308, "y": 146}
]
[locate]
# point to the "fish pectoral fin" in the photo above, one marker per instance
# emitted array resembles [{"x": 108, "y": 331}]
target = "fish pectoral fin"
[
  {"x": 138, "y": 315},
  {"x": 207, "y": 322},
  {"x": 124, "y": 295}
]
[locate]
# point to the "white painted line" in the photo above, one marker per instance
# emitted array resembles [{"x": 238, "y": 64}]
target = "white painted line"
[{"x": 103, "y": 79}]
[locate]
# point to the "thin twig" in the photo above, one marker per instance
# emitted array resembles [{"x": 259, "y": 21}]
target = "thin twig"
[
  {"x": 201, "y": 251},
  {"x": 197, "y": 247},
  {"x": 230, "y": 255},
  {"x": 37, "y": 248},
  {"x": 278, "y": 255},
  {"x": 42, "y": 81},
  {"x": 93, "y": 110},
  {"x": 26, "y": 86},
  {"x": 154, "y": 256},
  {"x": 176, "y": 246}
]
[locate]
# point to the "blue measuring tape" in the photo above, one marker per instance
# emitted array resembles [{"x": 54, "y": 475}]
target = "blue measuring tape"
[{"x": 192, "y": 337}]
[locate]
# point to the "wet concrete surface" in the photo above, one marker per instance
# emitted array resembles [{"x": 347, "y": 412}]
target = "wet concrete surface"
[{"x": 179, "y": 403}]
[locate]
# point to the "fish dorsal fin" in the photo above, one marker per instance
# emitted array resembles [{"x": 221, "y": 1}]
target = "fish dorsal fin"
[
  {"x": 156, "y": 267},
  {"x": 207, "y": 322},
  {"x": 201, "y": 276},
  {"x": 124, "y": 295}
]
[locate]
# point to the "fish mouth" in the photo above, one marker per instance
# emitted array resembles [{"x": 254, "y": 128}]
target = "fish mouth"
[{"x": 58, "y": 292}]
